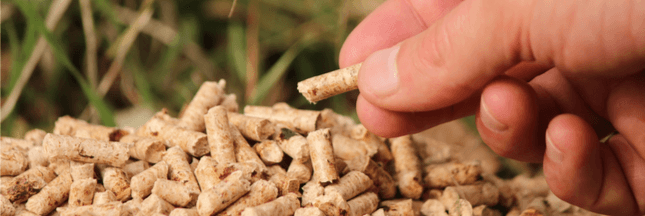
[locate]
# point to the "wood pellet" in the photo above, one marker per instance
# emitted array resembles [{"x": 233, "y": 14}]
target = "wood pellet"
[{"x": 266, "y": 160}]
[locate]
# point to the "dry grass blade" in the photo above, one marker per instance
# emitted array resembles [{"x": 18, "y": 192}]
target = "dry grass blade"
[
  {"x": 230, "y": 13},
  {"x": 53, "y": 16},
  {"x": 166, "y": 35},
  {"x": 124, "y": 46},
  {"x": 252, "y": 48},
  {"x": 126, "y": 42},
  {"x": 6, "y": 10},
  {"x": 90, "y": 41}
]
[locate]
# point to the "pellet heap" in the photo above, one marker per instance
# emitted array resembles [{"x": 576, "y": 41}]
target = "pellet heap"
[{"x": 268, "y": 161}]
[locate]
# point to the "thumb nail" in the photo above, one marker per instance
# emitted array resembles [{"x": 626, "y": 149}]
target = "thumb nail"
[
  {"x": 379, "y": 72},
  {"x": 489, "y": 120},
  {"x": 552, "y": 152}
]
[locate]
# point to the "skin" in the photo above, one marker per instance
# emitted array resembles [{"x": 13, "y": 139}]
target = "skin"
[{"x": 545, "y": 80}]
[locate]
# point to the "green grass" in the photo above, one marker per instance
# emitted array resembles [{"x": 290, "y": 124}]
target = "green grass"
[{"x": 296, "y": 41}]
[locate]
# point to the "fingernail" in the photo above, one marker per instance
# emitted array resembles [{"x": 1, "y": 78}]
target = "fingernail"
[
  {"x": 380, "y": 73},
  {"x": 552, "y": 152},
  {"x": 489, "y": 119}
]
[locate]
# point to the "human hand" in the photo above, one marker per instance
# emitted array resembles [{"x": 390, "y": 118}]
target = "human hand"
[{"x": 544, "y": 78}]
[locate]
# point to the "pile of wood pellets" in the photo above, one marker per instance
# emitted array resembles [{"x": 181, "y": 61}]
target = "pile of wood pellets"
[{"x": 276, "y": 160}]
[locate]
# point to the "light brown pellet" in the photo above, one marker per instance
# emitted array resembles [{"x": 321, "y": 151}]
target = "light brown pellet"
[
  {"x": 28, "y": 183},
  {"x": 209, "y": 173},
  {"x": 154, "y": 204},
  {"x": 379, "y": 212},
  {"x": 4, "y": 182},
  {"x": 537, "y": 206},
  {"x": 230, "y": 103},
  {"x": 484, "y": 210},
  {"x": 531, "y": 212},
  {"x": 506, "y": 192},
  {"x": 269, "y": 151},
  {"x": 37, "y": 157},
  {"x": 51, "y": 196},
  {"x": 192, "y": 142},
  {"x": 433, "y": 207},
  {"x": 103, "y": 197},
  {"x": 22, "y": 211},
  {"x": 6, "y": 208},
  {"x": 86, "y": 150},
  {"x": 283, "y": 206},
  {"x": 300, "y": 171},
  {"x": 382, "y": 180},
  {"x": 81, "y": 170},
  {"x": 400, "y": 207},
  {"x": 301, "y": 121},
  {"x": 332, "y": 204},
  {"x": 14, "y": 160},
  {"x": 477, "y": 194},
  {"x": 117, "y": 181},
  {"x": 24, "y": 145},
  {"x": 145, "y": 148},
  {"x": 244, "y": 152},
  {"x": 100, "y": 188},
  {"x": 309, "y": 211},
  {"x": 294, "y": 145},
  {"x": 179, "y": 169},
  {"x": 36, "y": 136},
  {"x": 261, "y": 192},
  {"x": 106, "y": 209},
  {"x": 132, "y": 207},
  {"x": 81, "y": 192},
  {"x": 416, "y": 206},
  {"x": 60, "y": 165},
  {"x": 69, "y": 126},
  {"x": 352, "y": 151},
  {"x": 461, "y": 208},
  {"x": 164, "y": 117},
  {"x": 284, "y": 183},
  {"x": 142, "y": 183},
  {"x": 311, "y": 191},
  {"x": 436, "y": 151},
  {"x": 443, "y": 175},
  {"x": 193, "y": 165},
  {"x": 383, "y": 153},
  {"x": 219, "y": 136},
  {"x": 184, "y": 212},
  {"x": 174, "y": 192},
  {"x": 215, "y": 199},
  {"x": 209, "y": 95},
  {"x": 347, "y": 148},
  {"x": 134, "y": 168},
  {"x": 322, "y": 156},
  {"x": 329, "y": 84},
  {"x": 406, "y": 164},
  {"x": 341, "y": 166},
  {"x": 363, "y": 204},
  {"x": 254, "y": 128},
  {"x": 526, "y": 189},
  {"x": 350, "y": 185},
  {"x": 339, "y": 124}
]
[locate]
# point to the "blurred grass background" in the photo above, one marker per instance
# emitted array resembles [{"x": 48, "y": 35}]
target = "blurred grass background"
[{"x": 116, "y": 62}]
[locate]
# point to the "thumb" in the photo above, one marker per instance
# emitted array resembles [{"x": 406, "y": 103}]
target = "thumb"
[{"x": 479, "y": 40}]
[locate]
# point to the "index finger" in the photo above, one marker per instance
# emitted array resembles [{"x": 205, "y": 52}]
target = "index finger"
[{"x": 391, "y": 23}]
